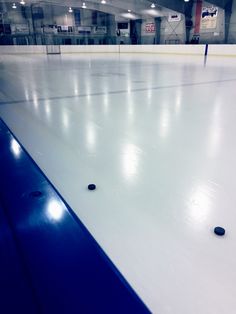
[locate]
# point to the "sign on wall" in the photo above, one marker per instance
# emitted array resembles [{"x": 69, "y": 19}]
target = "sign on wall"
[
  {"x": 209, "y": 17},
  {"x": 123, "y": 29},
  {"x": 150, "y": 28},
  {"x": 100, "y": 30},
  {"x": 49, "y": 29},
  {"x": 20, "y": 29},
  {"x": 174, "y": 17},
  {"x": 64, "y": 29},
  {"x": 84, "y": 30},
  {"x": 77, "y": 17}
]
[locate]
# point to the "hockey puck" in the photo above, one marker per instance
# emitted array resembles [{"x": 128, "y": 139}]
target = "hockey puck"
[
  {"x": 92, "y": 187},
  {"x": 219, "y": 231}
]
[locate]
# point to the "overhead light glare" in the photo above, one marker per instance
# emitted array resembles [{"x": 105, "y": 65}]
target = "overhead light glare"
[
  {"x": 84, "y": 5},
  {"x": 103, "y": 2},
  {"x": 14, "y": 6},
  {"x": 22, "y": 2},
  {"x": 70, "y": 10},
  {"x": 153, "y": 5}
]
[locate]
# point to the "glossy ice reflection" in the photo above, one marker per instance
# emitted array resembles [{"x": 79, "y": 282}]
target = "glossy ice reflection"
[
  {"x": 164, "y": 122},
  {"x": 157, "y": 134},
  {"x": 200, "y": 204},
  {"x": 15, "y": 147},
  {"x": 55, "y": 210},
  {"x": 130, "y": 160}
]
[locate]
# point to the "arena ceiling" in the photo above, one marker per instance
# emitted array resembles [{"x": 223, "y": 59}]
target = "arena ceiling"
[{"x": 132, "y": 9}]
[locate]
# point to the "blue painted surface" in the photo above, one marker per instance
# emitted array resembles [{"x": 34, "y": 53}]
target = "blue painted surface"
[
  {"x": 62, "y": 268},
  {"x": 16, "y": 293}
]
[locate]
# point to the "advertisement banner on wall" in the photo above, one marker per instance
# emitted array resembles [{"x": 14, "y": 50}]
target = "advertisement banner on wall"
[
  {"x": 84, "y": 30},
  {"x": 123, "y": 29},
  {"x": 150, "y": 28},
  {"x": 20, "y": 29},
  {"x": 100, "y": 30},
  {"x": 64, "y": 29},
  {"x": 124, "y": 33},
  {"x": 174, "y": 18},
  {"x": 209, "y": 17}
]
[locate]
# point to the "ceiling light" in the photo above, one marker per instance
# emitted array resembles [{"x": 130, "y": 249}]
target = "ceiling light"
[
  {"x": 129, "y": 11},
  {"x": 186, "y": 0},
  {"x": 103, "y": 2},
  {"x": 70, "y": 10},
  {"x": 14, "y": 6},
  {"x": 22, "y": 2},
  {"x": 84, "y": 5},
  {"x": 153, "y": 5}
]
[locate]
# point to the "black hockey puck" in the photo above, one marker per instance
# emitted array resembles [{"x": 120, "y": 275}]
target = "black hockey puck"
[
  {"x": 219, "y": 231},
  {"x": 92, "y": 187}
]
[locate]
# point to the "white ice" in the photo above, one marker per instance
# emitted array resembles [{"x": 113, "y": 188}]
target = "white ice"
[{"x": 157, "y": 135}]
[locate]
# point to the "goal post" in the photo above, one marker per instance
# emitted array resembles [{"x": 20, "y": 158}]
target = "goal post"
[{"x": 53, "y": 49}]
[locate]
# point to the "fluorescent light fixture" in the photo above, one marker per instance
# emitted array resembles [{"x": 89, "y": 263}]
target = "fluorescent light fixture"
[
  {"x": 14, "y": 6},
  {"x": 130, "y": 16},
  {"x": 152, "y": 12},
  {"x": 153, "y": 5}
]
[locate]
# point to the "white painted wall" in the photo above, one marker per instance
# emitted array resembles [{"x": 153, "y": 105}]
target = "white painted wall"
[
  {"x": 164, "y": 49},
  {"x": 90, "y": 49},
  {"x": 23, "y": 49},
  {"x": 213, "y": 50},
  {"x": 215, "y": 35},
  {"x": 147, "y": 38},
  {"x": 171, "y": 31},
  {"x": 36, "y": 49},
  {"x": 222, "y": 50}
]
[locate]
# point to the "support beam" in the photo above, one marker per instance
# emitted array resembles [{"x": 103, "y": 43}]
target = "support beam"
[
  {"x": 158, "y": 30},
  {"x": 228, "y": 13},
  {"x": 135, "y": 31},
  {"x": 188, "y": 19}
]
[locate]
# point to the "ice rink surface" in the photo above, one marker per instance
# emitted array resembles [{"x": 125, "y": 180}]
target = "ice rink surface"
[{"x": 157, "y": 135}]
